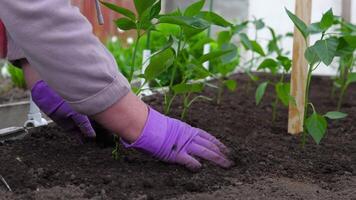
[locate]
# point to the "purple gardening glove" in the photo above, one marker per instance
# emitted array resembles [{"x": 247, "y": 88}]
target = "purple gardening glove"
[
  {"x": 173, "y": 141},
  {"x": 59, "y": 111}
]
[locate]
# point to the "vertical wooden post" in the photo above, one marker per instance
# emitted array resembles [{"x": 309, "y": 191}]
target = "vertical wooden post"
[
  {"x": 299, "y": 70},
  {"x": 346, "y": 10}
]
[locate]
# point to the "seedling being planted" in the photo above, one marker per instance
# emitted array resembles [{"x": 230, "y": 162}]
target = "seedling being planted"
[{"x": 322, "y": 51}]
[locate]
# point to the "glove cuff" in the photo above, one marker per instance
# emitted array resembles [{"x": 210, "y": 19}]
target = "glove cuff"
[
  {"x": 45, "y": 98},
  {"x": 153, "y": 134}
]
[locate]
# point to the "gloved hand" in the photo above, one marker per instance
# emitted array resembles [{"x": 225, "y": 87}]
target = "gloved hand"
[
  {"x": 173, "y": 141},
  {"x": 60, "y": 112}
]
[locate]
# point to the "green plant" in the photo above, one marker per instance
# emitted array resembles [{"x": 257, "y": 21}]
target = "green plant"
[
  {"x": 277, "y": 62},
  {"x": 180, "y": 67},
  {"x": 17, "y": 76},
  {"x": 123, "y": 55},
  {"x": 346, "y": 53},
  {"x": 322, "y": 51},
  {"x": 221, "y": 67}
]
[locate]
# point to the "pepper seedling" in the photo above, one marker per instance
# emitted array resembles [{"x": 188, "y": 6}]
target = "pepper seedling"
[
  {"x": 280, "y": 65},
  {"x": 322, "y": 51},
  {"x": 346, "y": 34}
]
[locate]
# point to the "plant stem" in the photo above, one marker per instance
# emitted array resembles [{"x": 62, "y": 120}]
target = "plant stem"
[
  {"x": 220, "y": 91},
  {"x": 170, "y": 98},
  {"x": 274, "y": 110},
  {"x": 211, "y": 5},
  {"x": 185, "y": 105},
  {"x": 134, "y": 56},
  {"x": 306, "y": 102},
  {"x": 341, "y": 97}
]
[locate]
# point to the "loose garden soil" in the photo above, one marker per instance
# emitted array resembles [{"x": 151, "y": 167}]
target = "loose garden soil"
[{"x": 270, "y": 164}]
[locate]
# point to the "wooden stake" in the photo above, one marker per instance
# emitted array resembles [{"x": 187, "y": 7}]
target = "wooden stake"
[
  {"x": 299, "y": 70},
  {"x": 346, "y": 10}
]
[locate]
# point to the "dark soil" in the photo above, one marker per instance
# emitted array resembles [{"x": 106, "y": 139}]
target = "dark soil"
[{"x": 270, "y": 164}]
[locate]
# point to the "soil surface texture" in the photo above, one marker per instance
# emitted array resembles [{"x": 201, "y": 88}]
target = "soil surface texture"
[{"x": 270, "y": 163}]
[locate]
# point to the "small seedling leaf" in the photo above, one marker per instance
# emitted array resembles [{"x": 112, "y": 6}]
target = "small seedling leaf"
[
  {"x": 231, "y": 85},
  {"x": 159, "y": 63},
  {"x": 246, "y": 42},
  {"x": 261, "y": 89},
  {"x": 191, "y": 22},
  {"x": 326, "y": 49},
  {"x": 316, "y": 126},
  {"x": 239, "y": 27},
  {"x": 142, "y": 5},
  {"x": 194, "y": 8},
  {"x": 351, "y": 40},
  {"x": 311, "y": 56},
  {"x": 155, "y": 10},
  {"x": 213, "y": 55},
  {"x": 351, "y": 78},
  {"x": 285, "y": 62},
  {"x": 283, "y": 92},
  {"x": 184, "y": 88},
  {"x": 214, "y": 18},
  {"x": 301, "y": 26},
  {"x": 126, "y": 12},
  {"x": 256, "y": 47},
  {"x": 270, "y": 64},
  {"x": 335, "y": 115},
  {"x": 125, "y": 24},
  {"x": 259, "y": 24},
  {"x": 315, "y": 28},
  {"x": 224, "y": 37},
  {"x": 327, "y": 20}
]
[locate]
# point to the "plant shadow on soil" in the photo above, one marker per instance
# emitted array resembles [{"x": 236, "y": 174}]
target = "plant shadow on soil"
[{"x": 270, "y": 164}]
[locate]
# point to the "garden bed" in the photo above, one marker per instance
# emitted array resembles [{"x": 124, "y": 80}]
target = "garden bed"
[{"x": 270, "y": 164}]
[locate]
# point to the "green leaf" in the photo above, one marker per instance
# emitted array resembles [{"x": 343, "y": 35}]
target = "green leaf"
[
  {"x": 200, "y": 72},
  {"x": 316, "y": 126},
  {"x": 192, "y": 22},
  {"x": 351, "y": 40},
  {"x": 285, "y": 62},
  {"x": 351, "y": 78},
  {"x": 335, "y": 115},
  {"x": 142, "y": 5},
  {"x": 326, "y": 49},
  {"x": 283, "y": 92},
  {"x": 213, "y": 55},
  {"x": 224, "y": 37},
  {"x": 246, "y": 42},
  {"x": 239, "y": 27},
  {"x": 230, "y": 85},
  {"x": 194, "y": 8},
  {"x": 214, "y": 18},
  {"x": 155, "y": 10},
  {"x": 259, "y": 24},
  {"x": 301, "y": 26},
  {"x": 315, "y": 28},
  {"x": 159, "y": 63},
  {"x": 270, "y": 64},
  {"x": 126, "y": 12},
  {"x": 125, "y": 24},
  {"x": 327, "y": 20},
  {"x": 184, "y": 88},
  {"x": 256, "y": 47},
  {"x": 230, "y": 56},
  {"x": 311, "y": 56},
  {"x": 261, "y": 89}
]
